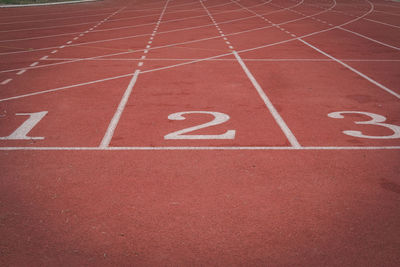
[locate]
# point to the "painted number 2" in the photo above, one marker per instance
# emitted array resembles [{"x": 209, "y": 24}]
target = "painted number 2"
[
  {"x": 21, "y": 133},
  {"x": 219, "y": 118},
  {"x": 376, "y": 119}
]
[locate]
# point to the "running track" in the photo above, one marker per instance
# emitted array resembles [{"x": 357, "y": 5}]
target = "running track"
[{"x": 189, "y": 132}]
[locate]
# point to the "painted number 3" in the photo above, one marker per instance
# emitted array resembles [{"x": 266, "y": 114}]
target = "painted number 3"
[
  {"x": 219, "y": 118},
  {"x": 376, "y": 119}
]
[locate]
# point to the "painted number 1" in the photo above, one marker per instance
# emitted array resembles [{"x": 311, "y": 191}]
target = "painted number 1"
[
  {"x": 21, "y": 133},
  {"x": 219, "y": 118},
  {"x": 376, "y": 119}
]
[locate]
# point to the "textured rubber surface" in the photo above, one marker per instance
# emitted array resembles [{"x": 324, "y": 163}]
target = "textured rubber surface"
[{"x": 300, "y": 167}]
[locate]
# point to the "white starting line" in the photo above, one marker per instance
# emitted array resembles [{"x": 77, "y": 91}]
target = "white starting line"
[{"x": 162, "y": 148}]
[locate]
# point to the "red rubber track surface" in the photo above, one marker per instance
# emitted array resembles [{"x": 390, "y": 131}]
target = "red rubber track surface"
[{"x": 302, "y": 167}]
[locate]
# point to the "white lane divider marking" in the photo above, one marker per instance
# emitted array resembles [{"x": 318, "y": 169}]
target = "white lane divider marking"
[
  {"x": 117, "y": 116},
  {"x": 352, "y": 69},
  {"x": 282, "y": 124},
  {"x": 6, "y": 81},
  {"x": 288, "y": 133},
  {"x": 114, "y": 121},
  {"x": 55, "y": 51},
  {"x": 168, "y": 148},
  {"x": 217, "y": 26}
]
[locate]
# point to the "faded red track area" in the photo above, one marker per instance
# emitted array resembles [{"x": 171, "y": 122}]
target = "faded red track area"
[{"x": 188, "y": 132}]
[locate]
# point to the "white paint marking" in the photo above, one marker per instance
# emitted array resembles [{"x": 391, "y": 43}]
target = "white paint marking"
[
  {"x": 21, "y": 72},
  {"x": 114, "y": 121},
  {"x": 61, "y": 47},
  {"x": 368, "y": 38},
  {"x": 6, "y": 81},
  {"x": 147, "y": 46},
  {"x": 352, "y": 69},
  {"x": 140, "y": 64},
  {"x": 376, "y": 119},
  {"x": 44, "y": 58},
  {"x": 230, "y": 47},
  {"x": 69, "y": 42},
  {"x": 289, "y": 135},
  {"x": 21, "y": 133},
  {"x": 34, "y": 64},
  {"x": 76, "y": 38},
  {"x": 150, "y": 42},
  {"x": 54, "y": 51},
  {"x": 146, "y": 51},
  {"x": 219, "y": 118},
  {"x": 200, "y": 148},
  {"x": 80, "y": 35},
  {"x": 143, "y": 57}
]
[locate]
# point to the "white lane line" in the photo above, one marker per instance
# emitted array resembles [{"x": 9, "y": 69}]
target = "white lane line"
[
  {"x": 61, "y": 47},
  {"x": 383, "y": 23},
  {"x": 244, "y": 59},
  {"x": 66, "y": 87},
  {"x": 289, "y": 135},
  {"x": 6, "y": 81},
  {"x": 54, "y": 51},
  {"x": 133, "y": 36},
  {"x": 352, "y": 69},
  {"x": 114, "y": 121},
  {"x": 21, "y": 72},
  {"x": 69, "y": 42},
  {"x": 176, "y": 65},
  {"x": 44, "y": 58},
  {"x": 161, "y": 148},
  {"x": 76, "y": 38},
  {"x": 34, "y": 64},
  {"x": 368, "y": 38},
  {"x": 358, "y": 34},
  {"x": 70, "y": 25},
  {"x": 117, "y": 116},
  {"x": 143, "y": 57}
]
